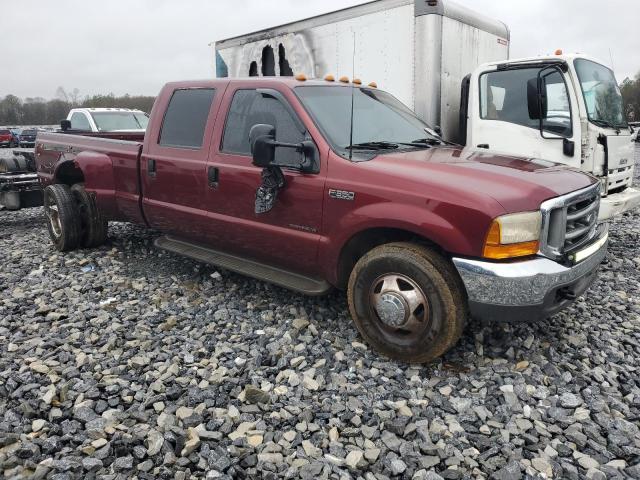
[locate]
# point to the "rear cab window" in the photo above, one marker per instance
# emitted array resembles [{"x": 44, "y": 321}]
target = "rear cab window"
[{"x": 186, "y": 117}]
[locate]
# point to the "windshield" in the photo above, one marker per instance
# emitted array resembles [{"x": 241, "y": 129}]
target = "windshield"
[
  {"x": 601, "y": 94},
  {"x": 110, "y": 121},
  {"x": 378, "y": 117},
  {"x": 28, "y": 132}
]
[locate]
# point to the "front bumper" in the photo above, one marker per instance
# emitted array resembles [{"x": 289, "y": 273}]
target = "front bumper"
[
  {"x": 527, "y": 290},
  {"x": 618, "y": 203}
]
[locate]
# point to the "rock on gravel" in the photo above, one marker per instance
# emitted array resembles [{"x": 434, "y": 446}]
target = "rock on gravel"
[{"x": 150, "y": 365}]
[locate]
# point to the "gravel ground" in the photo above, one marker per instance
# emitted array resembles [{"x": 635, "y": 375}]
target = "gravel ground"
[{"x": 126, "y": 362}]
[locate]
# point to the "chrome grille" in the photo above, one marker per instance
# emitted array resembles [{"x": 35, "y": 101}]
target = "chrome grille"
[{"x": 569, "y": 222}]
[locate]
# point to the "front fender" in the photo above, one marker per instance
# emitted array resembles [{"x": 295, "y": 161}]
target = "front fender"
[{"x": 456, "y": 229}]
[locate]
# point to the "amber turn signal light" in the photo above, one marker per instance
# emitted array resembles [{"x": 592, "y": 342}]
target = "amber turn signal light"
[{"x": 495, "y": 250}]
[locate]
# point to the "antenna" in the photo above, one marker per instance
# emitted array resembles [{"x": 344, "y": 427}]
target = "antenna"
[
  {"x": 611, "y": 57},
  {"x": 353, "y": 75}
]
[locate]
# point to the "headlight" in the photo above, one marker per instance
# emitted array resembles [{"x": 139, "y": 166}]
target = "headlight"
[{"x": 515, "y": 235}]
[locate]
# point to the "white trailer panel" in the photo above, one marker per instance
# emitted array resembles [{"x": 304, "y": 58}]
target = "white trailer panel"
[{"x": 419, "y": 50}]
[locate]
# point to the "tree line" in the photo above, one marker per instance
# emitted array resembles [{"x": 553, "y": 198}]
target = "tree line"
[{"x": 39, "y": 111}]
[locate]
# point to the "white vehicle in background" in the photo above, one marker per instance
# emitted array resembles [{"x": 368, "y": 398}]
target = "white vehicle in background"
[
  {"x": 451, "y": 65},
  {"x": 108, "y": 120}
]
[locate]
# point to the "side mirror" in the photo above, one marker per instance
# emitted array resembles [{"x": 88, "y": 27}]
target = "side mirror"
[
  {"x": 65, "y": 125},
  {"x": 438, "y": 130},
  {"x": 536, "y": 102},
  {"x": 262, "y": 140}
]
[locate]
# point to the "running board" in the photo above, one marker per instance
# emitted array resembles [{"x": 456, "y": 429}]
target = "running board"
[{"x": 250, "y": 268}]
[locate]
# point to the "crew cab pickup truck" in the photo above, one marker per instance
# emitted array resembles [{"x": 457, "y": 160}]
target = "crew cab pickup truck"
[{"x": 314, "y": 184}]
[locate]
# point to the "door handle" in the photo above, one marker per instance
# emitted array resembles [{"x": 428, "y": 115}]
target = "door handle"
[
  {"x": 151, "y": 167},
  {"x": 484, "y": 145},
  {"x": 212, "y": 176}
]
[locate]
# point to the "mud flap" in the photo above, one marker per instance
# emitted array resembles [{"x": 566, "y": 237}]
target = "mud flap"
[{"x": 267, "y": 193}]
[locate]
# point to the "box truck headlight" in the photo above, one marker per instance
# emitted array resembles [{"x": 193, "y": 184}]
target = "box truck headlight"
[{"x": 514, "y": 235}]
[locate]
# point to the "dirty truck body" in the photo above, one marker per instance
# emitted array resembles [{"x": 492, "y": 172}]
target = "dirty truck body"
[
  {"x": 451, "y": 66},
  {"x": 418, "y": 232}
]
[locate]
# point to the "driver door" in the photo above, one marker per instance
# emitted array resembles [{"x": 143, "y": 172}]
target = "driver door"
[
  {"x": 504, "y": 123},
  {"x": 290, "y": 233}
]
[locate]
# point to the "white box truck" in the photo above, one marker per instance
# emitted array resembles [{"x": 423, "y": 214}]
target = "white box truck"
[{"x": 451, "y": 66}]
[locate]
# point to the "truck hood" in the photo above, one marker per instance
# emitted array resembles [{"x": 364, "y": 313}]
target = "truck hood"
[{"x": 517, "y": 183}]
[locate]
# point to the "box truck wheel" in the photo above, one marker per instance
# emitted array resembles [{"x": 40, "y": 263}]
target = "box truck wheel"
[
  {"x": 94, "y": 226},
  {"x": 63, "y": 217},
  {"x": 407, "y": 302}
]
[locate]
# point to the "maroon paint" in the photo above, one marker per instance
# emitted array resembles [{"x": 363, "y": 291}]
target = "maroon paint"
[{"x": 448, "y": 195}]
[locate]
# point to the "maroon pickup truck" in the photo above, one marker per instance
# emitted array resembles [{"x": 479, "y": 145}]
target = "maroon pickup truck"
[{"x": 312, "y": 185}]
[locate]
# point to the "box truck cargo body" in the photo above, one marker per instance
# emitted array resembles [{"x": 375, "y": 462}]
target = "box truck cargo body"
[
  {"x": 418, "y": 51},
  {"x": 452, "y": 67}
]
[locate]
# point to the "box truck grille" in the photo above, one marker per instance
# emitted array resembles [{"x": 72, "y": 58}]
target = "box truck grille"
[{"x": 569, "y": 222}]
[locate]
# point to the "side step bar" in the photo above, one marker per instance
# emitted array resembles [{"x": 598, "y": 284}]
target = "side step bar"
[{"x": 250, "y": 268}]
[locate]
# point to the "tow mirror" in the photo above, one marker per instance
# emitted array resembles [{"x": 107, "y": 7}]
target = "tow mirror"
[
  {"x": 65, "y": 125},
  {"x": 262, "y": 139}
]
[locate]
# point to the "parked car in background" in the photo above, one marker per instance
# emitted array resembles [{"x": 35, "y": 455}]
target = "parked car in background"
[
  {"x": 319, "y": 184},
  {"x": 16, "y": 135},
  {"x": 107, "y": 120},
  {"x": 28, "y": 138},
  {"x": 7, "y": 138}
]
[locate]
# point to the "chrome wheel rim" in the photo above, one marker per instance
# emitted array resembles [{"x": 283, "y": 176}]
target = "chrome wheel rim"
[
  {"x": 54, "y": 219},
  {"x": 399, "y": 305}
]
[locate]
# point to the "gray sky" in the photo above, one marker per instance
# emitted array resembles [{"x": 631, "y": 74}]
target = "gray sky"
[{"x": 135, "y": 46}]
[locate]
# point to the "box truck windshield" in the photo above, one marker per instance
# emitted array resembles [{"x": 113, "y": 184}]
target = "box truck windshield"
[{"x": 601, "y": 94}]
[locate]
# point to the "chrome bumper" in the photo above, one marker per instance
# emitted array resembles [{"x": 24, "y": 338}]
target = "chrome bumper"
[
  {"x": 618, "y": 203},
  {"x": 528, "y": 289}
]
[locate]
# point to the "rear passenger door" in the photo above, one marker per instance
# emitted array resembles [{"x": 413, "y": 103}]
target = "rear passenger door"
[
  {"x": 173, "y": 165},
  {"x": 289, "y": 234}
]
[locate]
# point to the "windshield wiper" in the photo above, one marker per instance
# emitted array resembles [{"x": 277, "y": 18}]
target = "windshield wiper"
[
  {"x": 606, "y": 124},
  {"x": 373, "y": 146}
]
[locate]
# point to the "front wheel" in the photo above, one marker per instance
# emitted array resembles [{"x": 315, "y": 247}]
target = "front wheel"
[
  {"x": 63, "y": 218},
  {"x": 407, "y": 301}
]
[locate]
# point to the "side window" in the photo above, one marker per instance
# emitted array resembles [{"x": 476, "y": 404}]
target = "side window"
[
  {"x": 79, "y": 121},
  {"x": 503, "y": 96},
  {"x": 249, "y": 108},
  {"x": 186, "y": 118}
]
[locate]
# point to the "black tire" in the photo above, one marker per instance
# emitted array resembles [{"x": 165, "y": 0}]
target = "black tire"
[
  {"x": 420, "y": 295},
  {"x": 63, "y": 217},
  {"x": 94, "y": 226}
]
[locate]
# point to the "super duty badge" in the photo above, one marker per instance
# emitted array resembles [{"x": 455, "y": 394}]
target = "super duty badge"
[{"x": 342, "y": 194}]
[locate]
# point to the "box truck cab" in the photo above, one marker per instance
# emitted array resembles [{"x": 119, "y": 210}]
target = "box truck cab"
[
  {"x": 451, "y": 65},
  {"x": 563, "y": 108}
]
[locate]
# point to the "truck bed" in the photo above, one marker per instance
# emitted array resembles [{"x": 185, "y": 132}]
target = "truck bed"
[{"x": 112, "y": 159}]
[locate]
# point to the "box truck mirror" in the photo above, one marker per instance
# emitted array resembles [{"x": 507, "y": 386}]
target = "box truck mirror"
[{"x": 534, "y": 100}]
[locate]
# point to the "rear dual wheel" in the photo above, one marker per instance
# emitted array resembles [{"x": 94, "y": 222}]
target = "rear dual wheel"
[
  {"x": 407, "y": 302},
  {"x": 73, "y": 218}
]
